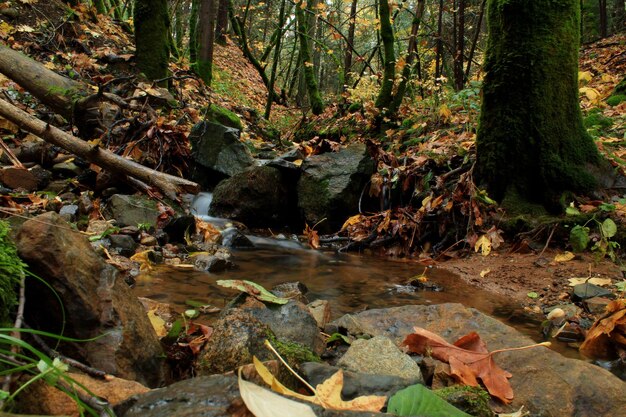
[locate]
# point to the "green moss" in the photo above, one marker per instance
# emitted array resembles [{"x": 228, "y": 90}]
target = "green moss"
[
  {"x": 599, "y": 120},
  {"x": 152, "y": 38},
  {"x": 616, "y": 99},
  {"x": 293, "y": 353},
  {"x": 223, "y": 116},
  {"x": 355, "y": 107},
  {"x": 472, "y": 400},
  {"x": 11, "y": 271},
  {"x": 620, "y": 89},
  {"x": 531, "y": 136}
]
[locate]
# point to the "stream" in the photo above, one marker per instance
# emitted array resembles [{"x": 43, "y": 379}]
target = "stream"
[{"x": 350, "y": 282}]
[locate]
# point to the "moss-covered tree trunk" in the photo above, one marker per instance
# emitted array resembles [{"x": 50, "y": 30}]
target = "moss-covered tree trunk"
[
  {"x": 193, "y": 32},
  {"x": 152, "y": 37},
  {"x": 206, "y": 39},
  {"x": 385, "y": 95},
  {"x": 531, "y": 141},
  {"x": 315, "y": 98}
]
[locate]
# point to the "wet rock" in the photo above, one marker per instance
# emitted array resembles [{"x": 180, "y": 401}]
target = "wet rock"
[
  {"x": 545, "y": 382},
  {"x": 148, "y": 240},
  {"x": 237, "y": 336},
  {"x": 294, "y": 290},
  {"x": 212, "y": 263},
  {"x": 125, "y": 244},
  {"x": 18, "y": 179},
  {"x": 331, "y": 185},
  {"x": 43, "y": 399},
  {"x": 256, "y": 197},
  {"x": 66, "y": 169},
  {"x": 205, "y": 396},
  {"x": 85, "y": 203},
  {"x": 177, "y": 228},
  {"x": 597, "y": 305},
  {"x": 472, "y": 400},
  {"x": 355, "y": 384},
  {"x": 69, "y": 213},
  {"x": 217, "y": 148},
  {"x": 320, "y": 310},
  {"x": 129, "y": 210},
  {"x": 233, "y": 238},
  {"x": 380, "y": 356},
  {"x": 96, "y": 300},
  {"x": 587, "y": 290},
  {"x": 291, "y": 322}
]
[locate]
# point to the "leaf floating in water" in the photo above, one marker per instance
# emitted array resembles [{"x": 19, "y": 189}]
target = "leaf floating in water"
[{"x": 253, "y": 289}]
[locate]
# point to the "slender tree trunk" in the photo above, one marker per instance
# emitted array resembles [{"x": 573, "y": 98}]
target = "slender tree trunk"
[
  {"x": 439, "y": 52},
  {"x": 475, "y": 41},
  {"x": 531, "y": 142},
  {"x": 221, "y": 26},
  {"x": 206, "y": 34},
  {"x": 315, "y": 98},
  {"x": 459, "y": 79},
  {"x": 384, "y": 99},
  {"x": 411, "y": 56},
  {"x": 347, "y": 62},
  {"x": 151, "y": 37},
  {"x": 281, "y": 23},
  {"x": 604, "y": 25},
  {"x": 179, "y": 26},
  {"x": 193, "y": 32}
]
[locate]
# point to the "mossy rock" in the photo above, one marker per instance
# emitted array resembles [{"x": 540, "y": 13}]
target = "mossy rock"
[
  {"x": 615, "y": 100},
  {"x": 223, "y": 116},
  {"x": 620, "y": 89},
  {"x": 472, "y": 400},
  {"x": 293, "y": 353},
  {"x": 355, "y": 107},
  {"x": 11, "y": 271}
]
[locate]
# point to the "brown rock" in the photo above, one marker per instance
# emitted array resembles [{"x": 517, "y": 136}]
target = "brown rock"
[{"x": 96, "y": 302}]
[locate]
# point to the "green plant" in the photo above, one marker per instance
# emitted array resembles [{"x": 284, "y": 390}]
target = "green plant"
[
  {"x": 580, "y": 236},
  {"x": 11, "y": 271}
]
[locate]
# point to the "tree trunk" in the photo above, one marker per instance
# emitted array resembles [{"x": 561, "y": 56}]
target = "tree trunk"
[
  {"x": 531, "y": 141},
  {"x": 152, "y": 37},
  {"x": 179, "y": 26},
  {"x": 459, "y": 78},
  {"x": 193, "y": 32},
  {"x": 315, "y": 98},
  {"x": 281, "y": 23},
  {"x": 604, "y": 24},
  {"x": 384, "y": 99},
  {"x": 475, "y": 41},
  {"x": 169, "y": 184},
  {"x": 439, "y": 47},
  {"x": 208, "y": 14},
  {"x": 221, "y": 26},
  {"x": 347, "y": 62}
]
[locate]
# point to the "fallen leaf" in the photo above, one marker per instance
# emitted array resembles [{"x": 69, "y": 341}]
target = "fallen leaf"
[
  {"x": 483, "y": 244},
  {"x": 327, "y": 394},
  {"x": 564, "y": 257},
  {"x": 607, "y": 336},
  {"x": 484, "y": 272},
  {"x": 469, "y": 360},
  {"x": 254, "y": 289},
  {"x": 596, "y": 281},
  {"x": 417, "y": 400},
  {"x": 157, "y": 323}
]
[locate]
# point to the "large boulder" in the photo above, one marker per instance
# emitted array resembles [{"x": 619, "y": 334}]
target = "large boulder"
[
  {"x": 331, "y": 185},
  {"x": 131, "y": 210},
  {"x": 96, "y": 302},
  {"x": 256, "y": 197},
  {"x": 545, "y": 382},
  {"x": 217, "y": 151}
]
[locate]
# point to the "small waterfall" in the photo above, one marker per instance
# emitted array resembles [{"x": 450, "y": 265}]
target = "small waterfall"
[{"x": 201, "y": 204}]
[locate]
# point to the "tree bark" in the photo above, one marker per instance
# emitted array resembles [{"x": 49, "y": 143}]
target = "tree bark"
[
  {"x": 315, "y": 98},
  {"x": 169, "y": 184},
  {"x": 439, "y": 47},
  {"x": 384, "y": 99},
  {"x": 281, "y": 23},
  {"x": 221, "y": 26},
  {"x": 152, "y": 37},
  {"x": 531, "y": 143},
  {"x": 193, "y": 32},
  {"x": 208, "y": 15},
  {"x": 347, "y": 62},
  {"x": 459, "y": 77}
]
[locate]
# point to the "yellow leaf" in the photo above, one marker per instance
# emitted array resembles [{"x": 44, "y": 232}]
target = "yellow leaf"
[
  {"x": 297, "y": 162},
  {"x": 606, "y": 78},
  {"x": 596, "y": 281},
  {"x": 483, "y": 244},
  {"x": 351, "y": 221},
  {"x": 591, "y": 93},
  {"x": 584, "y": 77},
  {"x": 157, "y": 323},
  {"x": 564, "y": 257},
  {"x": 484, "y": 272},
  {"x": 444, "y": 112}
]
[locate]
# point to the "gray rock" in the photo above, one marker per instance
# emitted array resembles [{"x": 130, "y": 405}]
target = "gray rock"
[
  {"x": 66, "y": 169},
  {"x": 331, "y": 185},
  {"x": 96, "y": 300},
  {"x": 129, "y": 210},
  {"x": 291, "y": 322},
  {"x": 256, "y": 197},
  {"x": 586, "y": 290},
  {"x": 355, "y": 384},
  {"x": 125, "y": 244},
  {"x": 233, "y": 238},
  {"x": 218, "y": 148},
  {"x": 69, "y": 212},
  {"x": 212, "y": 263},
  {"x": 236, "y": 337},
  {"x": 295, "y": 290},
  {"x": 545, "y": 382},
  {"x": 205, "y": 396},
  {"x": 321, "y": 312},
  {"x": 380, "y": 356}
]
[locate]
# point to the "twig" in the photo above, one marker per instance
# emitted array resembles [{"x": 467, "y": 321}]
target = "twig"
[
  {"x": 19, "y": 319},
  {"x": 16, "y": 162},
  {"x": 548, "y": 241}
]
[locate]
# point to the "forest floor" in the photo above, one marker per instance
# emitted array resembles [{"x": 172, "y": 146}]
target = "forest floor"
[{"x": 430, "y": 149}]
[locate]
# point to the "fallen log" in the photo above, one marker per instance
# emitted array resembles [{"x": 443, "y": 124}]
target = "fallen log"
[{"x": 169, "y": 184}]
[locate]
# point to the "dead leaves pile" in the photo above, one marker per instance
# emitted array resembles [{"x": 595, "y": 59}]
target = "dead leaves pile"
[{"x": 607, "y": 337}]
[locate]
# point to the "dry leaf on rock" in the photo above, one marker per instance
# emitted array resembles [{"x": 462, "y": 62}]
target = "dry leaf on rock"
[
  {"x": 596, "y": 281},
  {"x": 564, "y": 257},
  {"x": 469, "y": 360},
  {"x": 327, "y": 394},
  {"x": 607, "y": 337}
]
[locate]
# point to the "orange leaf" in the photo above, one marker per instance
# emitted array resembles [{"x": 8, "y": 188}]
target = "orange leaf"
[
  {"x": 607, "y": 336},
  {"x": 469, "y": 360}
]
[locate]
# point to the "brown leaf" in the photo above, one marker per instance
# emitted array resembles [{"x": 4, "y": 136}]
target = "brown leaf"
[
  {"x": 469, "y": 360},
  {"x": 607, "y": 336}
]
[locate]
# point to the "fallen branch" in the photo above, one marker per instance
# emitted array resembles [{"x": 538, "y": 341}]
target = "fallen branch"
[{"x": 169, "y": 184}]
